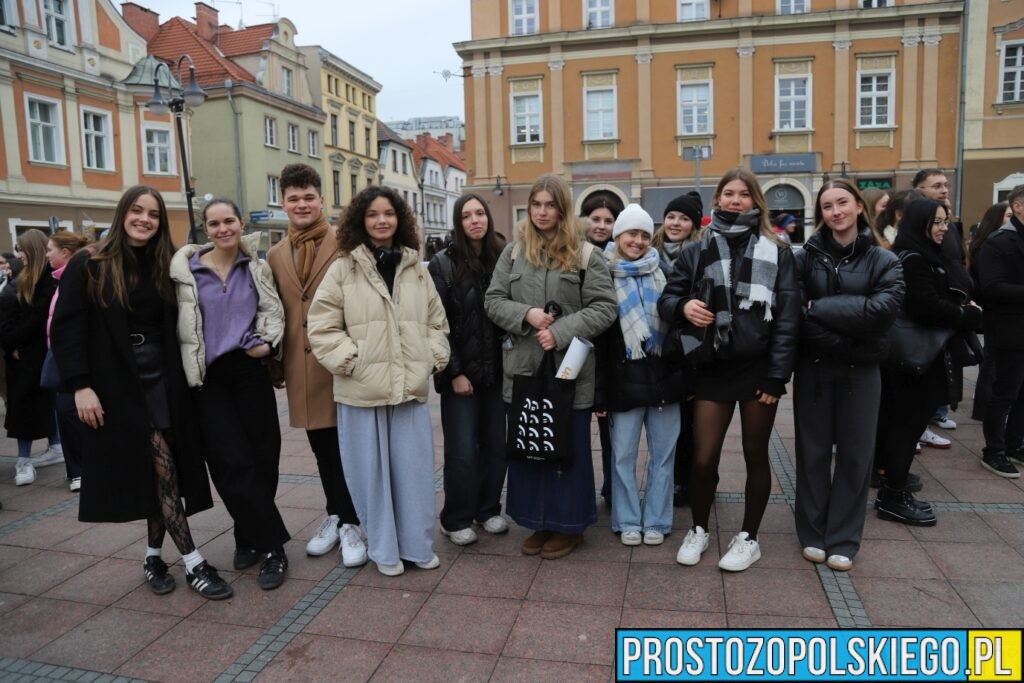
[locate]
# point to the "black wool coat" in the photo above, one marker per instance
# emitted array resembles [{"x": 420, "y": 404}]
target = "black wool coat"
[
  {"x": 1000, "y": 270},
  {"x": 624, "y": 384},
  {"x": 23, "y": 329},
  {"x": 92, "y": 349}
]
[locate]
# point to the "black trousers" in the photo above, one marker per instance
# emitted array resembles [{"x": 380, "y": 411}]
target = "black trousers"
[
  {"x": 1004, "y": 416},
  {"x": 908, "y": 404},
  {"x": 324, "y": 443},
  {"x": 983, "y": 388},
  {"x": 239, "y": 423},
  {"x": 474, "y": 456},
  {"x": 606, "y": 456},
  {"x": 71, "y": 434}
]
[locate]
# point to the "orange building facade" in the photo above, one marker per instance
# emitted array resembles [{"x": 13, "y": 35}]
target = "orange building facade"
[{"x": 621, "y": 95}]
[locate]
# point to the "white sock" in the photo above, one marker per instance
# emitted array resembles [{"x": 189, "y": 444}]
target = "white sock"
[
  {"x": 192, "y": 560},
  {"x": 152, "y": 552}
]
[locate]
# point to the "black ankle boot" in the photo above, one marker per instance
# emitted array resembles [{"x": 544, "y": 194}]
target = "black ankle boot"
[{"x": 899, "y": 505}]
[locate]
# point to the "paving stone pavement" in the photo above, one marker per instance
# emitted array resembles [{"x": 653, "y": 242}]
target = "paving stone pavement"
[{"x": 74, "y": 606}]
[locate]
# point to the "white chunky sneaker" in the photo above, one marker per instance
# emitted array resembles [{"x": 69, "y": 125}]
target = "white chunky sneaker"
[
  {"x": 391, "y": 569},
  {"x": 812, "y": 554},
  {"x": 496, "y": 525},
  {"x": 653, "y": 538},
  {"x": 353, "y": 549},
  {"x": 945, "y": 423},
  {"x": 51, "y": 456},
  {"x": 432, "y": 563},
  {"x": 631, "y": 538},
  {"x": 933, "y": 440},
  {"x": 460, "y": 537},
  {"x": 742, "y": 553},
  {"x": 840, "y": 563},
  {"x": 325, "y": 537},
  {"x": 24, "y": 472},
  {"x": 75, "y": 484},
  {"x": 694, "y": 545}
]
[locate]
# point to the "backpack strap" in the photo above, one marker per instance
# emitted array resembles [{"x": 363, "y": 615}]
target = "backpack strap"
[{"x": 585, "y": 254}]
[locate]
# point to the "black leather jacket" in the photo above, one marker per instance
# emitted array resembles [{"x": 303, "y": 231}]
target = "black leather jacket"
[
  {"x": 849, "y": 305},
  {"x": 624, "y": 384},
  {"x": 475, "y": 341}
]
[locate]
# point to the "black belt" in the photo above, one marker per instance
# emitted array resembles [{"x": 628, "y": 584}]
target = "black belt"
[{"x": 138, "y": 339}]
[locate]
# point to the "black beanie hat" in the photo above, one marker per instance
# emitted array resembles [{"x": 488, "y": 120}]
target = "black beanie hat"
[{"x": 689, "y": 204}]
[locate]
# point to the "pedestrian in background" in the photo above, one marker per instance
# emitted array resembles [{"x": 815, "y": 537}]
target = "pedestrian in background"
[
  {"x": 995, "y": 217},
  {"x": 10, "y": 267},
  {"x": 378, "y": 326},
  {"x": 30, "y": 407},
  {"x": 753, "y": 315},
  {"x": 472, "y": 412},
  {"x": 116, "y": 346},
  {"x": 548, "y": 263},
  {"x": 230, "y": 320}
]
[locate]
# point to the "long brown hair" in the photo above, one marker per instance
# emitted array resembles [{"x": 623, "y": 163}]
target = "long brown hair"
[
  {"x": 352, "y": 228},
  {"x": 562, "y": 249},
  {"x": 117, "y": 266},
  {"x": 754, "y": 187},
  {"x": 862, "y": 218},
  {"x": 32, "y": 244},
  {"x": 467, "y": 261},
  {"x": 72, "y": 241},
  {"x": 990, "y": 222}
]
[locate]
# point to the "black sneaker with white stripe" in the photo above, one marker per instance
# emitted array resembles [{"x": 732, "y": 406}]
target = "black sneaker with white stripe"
[
  {"x": 205, "y": 580},
  {"x": 159, "y": 580}
]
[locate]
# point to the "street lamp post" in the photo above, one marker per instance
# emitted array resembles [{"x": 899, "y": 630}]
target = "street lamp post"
[{"x": 191, "y": 97}]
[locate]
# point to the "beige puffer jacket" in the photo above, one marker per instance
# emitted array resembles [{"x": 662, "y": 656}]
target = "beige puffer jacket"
[
  {"x": 381, "y": 348},
  {"x": 269, "y": 312}
]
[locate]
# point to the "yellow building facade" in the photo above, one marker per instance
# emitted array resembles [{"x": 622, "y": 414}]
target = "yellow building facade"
[{"x": 613, "y": 94}]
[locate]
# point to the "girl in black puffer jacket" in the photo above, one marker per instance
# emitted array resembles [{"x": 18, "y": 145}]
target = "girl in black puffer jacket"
[
  {"x": 472, "y": 410},
  {"x": 852, "y": 289}
]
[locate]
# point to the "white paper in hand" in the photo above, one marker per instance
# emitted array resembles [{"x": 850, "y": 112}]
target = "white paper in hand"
[{"x": 575, "y": 357}]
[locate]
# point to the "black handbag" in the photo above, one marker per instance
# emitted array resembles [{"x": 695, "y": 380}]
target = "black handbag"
[
  {"x": 540, "y": 416},
  {"x": 914, "y": 347},
  {"x": 699, "y": 342}
]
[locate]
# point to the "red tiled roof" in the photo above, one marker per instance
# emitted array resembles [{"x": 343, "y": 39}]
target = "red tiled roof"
[
  {"x": 246, "y": 41},
  {"x": 426, "y": 145},
  {"x": 177, "y": 37}
]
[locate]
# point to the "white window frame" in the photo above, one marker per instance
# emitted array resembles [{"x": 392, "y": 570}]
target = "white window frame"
[
  {"x": 873, "y": 4},
  {"x": 539, "y": 115},
  {"x": 333, "y": 126},
  {"x": 793, "y": 7},
  {"x": 603, "y": 134},
  {"x": 8, "y": 13},
  {"x": 593, "y": 11},
  {"x": 697, "y": 8},
  {"x": 293, "y": 138},
  {"x": 172, "y": 160},
  {"x": 313, "y": 143},
  {"x": 680, "y": 104},
  {"x": 527, "y": 22},
  {"x": 287, "y": 81},
  {"x": 269, "y": 131},
  {"x": 89, "y": 138},
  {"x": 273, "y": 190},
  {"x": 50, "y": 19},
  {"x": 1019, "y": 44},
  {"x": 873, "y": 97},
  {"x": 808, "y": 101},
  {"x": 57, "y": 125}
]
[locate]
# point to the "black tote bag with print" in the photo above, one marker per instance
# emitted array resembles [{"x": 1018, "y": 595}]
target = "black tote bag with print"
[{"x": 540, "y": 416}]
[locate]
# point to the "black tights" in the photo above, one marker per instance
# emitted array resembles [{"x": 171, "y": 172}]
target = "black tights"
[
  {"x": 711, "y": 421},
  {"x": 171, "y": 517}
]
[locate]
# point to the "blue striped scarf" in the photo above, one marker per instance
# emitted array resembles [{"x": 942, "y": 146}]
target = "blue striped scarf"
[{"x": 638, "y": 284}]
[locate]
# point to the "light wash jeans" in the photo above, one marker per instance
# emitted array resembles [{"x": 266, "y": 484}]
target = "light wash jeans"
[{"x": 662, "y": 432}]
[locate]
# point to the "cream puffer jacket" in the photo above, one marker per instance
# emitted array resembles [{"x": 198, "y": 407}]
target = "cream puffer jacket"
[
  {"x": 269, "y": 311},
  {"x": 380, "y": 347}
]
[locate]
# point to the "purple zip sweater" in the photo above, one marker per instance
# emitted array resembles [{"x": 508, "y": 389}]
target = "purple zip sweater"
[{"x": 228, "y": 308}]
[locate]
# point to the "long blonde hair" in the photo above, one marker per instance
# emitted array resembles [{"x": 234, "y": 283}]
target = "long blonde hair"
[
  {"x": 32, "y": 244},
  {"x": 562, "y": 249},
  {"x": 754, "y": 187}
]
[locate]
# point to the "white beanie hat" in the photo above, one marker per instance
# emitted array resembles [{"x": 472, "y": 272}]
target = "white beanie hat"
[{"x": 633, "y": 217}]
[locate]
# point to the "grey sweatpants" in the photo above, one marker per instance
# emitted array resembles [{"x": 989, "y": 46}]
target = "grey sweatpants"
[{"x": 387, "y": 454}]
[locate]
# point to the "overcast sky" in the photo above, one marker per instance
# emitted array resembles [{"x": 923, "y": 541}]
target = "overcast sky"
[{"x": 400, "y": 43}]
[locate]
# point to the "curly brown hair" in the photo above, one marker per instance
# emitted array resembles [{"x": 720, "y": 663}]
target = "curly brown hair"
[
  {"x": 299, "y": 175},
  {"x": 352, "y": 227}
]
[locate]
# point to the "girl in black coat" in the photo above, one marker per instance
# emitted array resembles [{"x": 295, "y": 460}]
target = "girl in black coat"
[
  {"x": 934, "y": 298},
  {"x": 472, "y": 410},
  {"x": 851, "y": 292},
  {"x": 753, "y": 319},
  {"x": 116, "y": 346},
  {"x": 30, "y": 412}
]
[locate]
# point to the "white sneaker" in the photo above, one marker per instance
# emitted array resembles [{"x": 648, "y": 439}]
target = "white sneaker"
[
  {"x": 631, "y": 538},
  {"x": 742, "y": 553},
  {"x": 917, "y": 449},
  {"x": 75, "y": 484},
  {"x": 653, "y": 538},
  {"x": 51, "y": 456},
  {"x": 391, "y": 569},
  {"x": 460, "y": 537},
  {"x": 694, "y": 545},
  {"x": 496, "y": 525},
  {"x": 812, "y": 554},
  {"x": 432, "y": 563},
  {"x": 353, "y": 549},
  {"x": 945, "y": 423},
  {"x": 324, "y": 538},
  {"x": 841, "y": 563},
  {"x": 933, "y": 440},
  {"x": 24, "y": 472}
]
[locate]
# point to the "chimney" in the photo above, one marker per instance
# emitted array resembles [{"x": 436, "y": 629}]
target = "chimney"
[
  {"x": 207, "y": 20},
  {"x": 143, "y": 21},
  {"x": 447, "y": 140}
]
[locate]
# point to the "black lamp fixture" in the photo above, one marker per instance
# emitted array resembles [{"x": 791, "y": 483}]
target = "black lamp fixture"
[
  {"x": 189, "y": 98},
  {"x": 499, "y": 189}
]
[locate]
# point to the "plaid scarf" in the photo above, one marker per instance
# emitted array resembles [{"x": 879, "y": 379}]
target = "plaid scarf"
[
  {"x": 638, "y": 284},
  {"x": 755, "y": 276}
]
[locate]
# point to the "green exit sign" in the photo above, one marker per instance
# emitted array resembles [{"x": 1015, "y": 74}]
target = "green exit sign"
[{"x": 877, "y": 183}]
